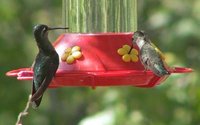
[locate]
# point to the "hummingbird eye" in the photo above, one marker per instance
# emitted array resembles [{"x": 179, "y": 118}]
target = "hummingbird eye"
[{"x": 44, "y": 30}]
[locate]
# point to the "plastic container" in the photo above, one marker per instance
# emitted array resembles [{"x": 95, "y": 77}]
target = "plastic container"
[{"x": 100, "y": 64}]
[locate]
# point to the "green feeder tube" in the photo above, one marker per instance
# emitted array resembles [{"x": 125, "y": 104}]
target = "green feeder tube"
[{"x": 91, "y": 16}]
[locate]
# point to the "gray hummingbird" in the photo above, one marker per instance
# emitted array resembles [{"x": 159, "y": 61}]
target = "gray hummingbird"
[
  {"x": 45, "y": 65},
  {"x": 150, "y": 56}
]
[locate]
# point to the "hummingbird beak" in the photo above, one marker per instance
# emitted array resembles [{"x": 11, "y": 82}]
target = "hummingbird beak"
[
  {"x": 55, "y": 28},
  {"x": 133, "y": 41}
]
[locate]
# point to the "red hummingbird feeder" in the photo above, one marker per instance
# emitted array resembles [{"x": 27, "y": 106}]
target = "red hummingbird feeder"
[{"x": 99, "y": 62}]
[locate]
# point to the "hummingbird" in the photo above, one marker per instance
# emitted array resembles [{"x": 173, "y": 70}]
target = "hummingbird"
[
  {"x": 150, "y": 56},
  {"x": 45, "y": 65}
]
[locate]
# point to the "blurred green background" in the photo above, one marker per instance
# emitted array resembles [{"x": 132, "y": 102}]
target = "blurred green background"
[{"x": 174, "y": 25}]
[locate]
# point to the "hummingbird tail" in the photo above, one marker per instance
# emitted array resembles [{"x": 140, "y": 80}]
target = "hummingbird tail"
[
  {"x": 160, "y": 70},
  {"x": 36, "y": 103},
  {"x": 35, "y": 99},
  {"x": 166, "y": 72}
]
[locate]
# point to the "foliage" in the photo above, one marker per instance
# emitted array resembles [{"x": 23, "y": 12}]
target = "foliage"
[{"x": 173, "y": 25}]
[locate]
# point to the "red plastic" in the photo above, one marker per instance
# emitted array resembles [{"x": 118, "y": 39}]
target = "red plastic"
[{"x": 100, "y": 64}]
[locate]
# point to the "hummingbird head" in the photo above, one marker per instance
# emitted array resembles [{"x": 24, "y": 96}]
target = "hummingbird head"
[
  {"x": 138, "y": 35},
  {"x": 42, "y": 30},
  {"x": 41, "y": 37},
  {"x": 139, "y": 38}
]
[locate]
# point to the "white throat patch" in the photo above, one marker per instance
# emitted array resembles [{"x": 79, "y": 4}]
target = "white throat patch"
[{"x": 140, "y": 43}]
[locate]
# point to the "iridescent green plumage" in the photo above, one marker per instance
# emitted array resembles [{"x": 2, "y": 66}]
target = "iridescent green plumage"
[{"x": 46, "y": 63}]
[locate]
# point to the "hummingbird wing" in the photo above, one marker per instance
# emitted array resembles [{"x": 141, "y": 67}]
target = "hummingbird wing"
[
  {"x": 152, "y": 60},
  {"x": 158, "y": 51},
  {"x": 44, "y": 71}
]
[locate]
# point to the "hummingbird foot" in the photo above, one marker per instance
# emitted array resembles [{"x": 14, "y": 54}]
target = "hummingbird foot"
[{"x": 145, "y": 70}]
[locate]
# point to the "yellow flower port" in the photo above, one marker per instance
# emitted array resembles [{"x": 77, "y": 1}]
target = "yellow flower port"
[
  {"x": 128, "y": 54},
  {"x": 71, "y": 54}
]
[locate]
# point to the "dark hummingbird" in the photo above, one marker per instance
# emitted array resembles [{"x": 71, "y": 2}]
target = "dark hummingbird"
[
  {"x": 45, "y": 65},
  {"x": 150, "y": 56}
]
